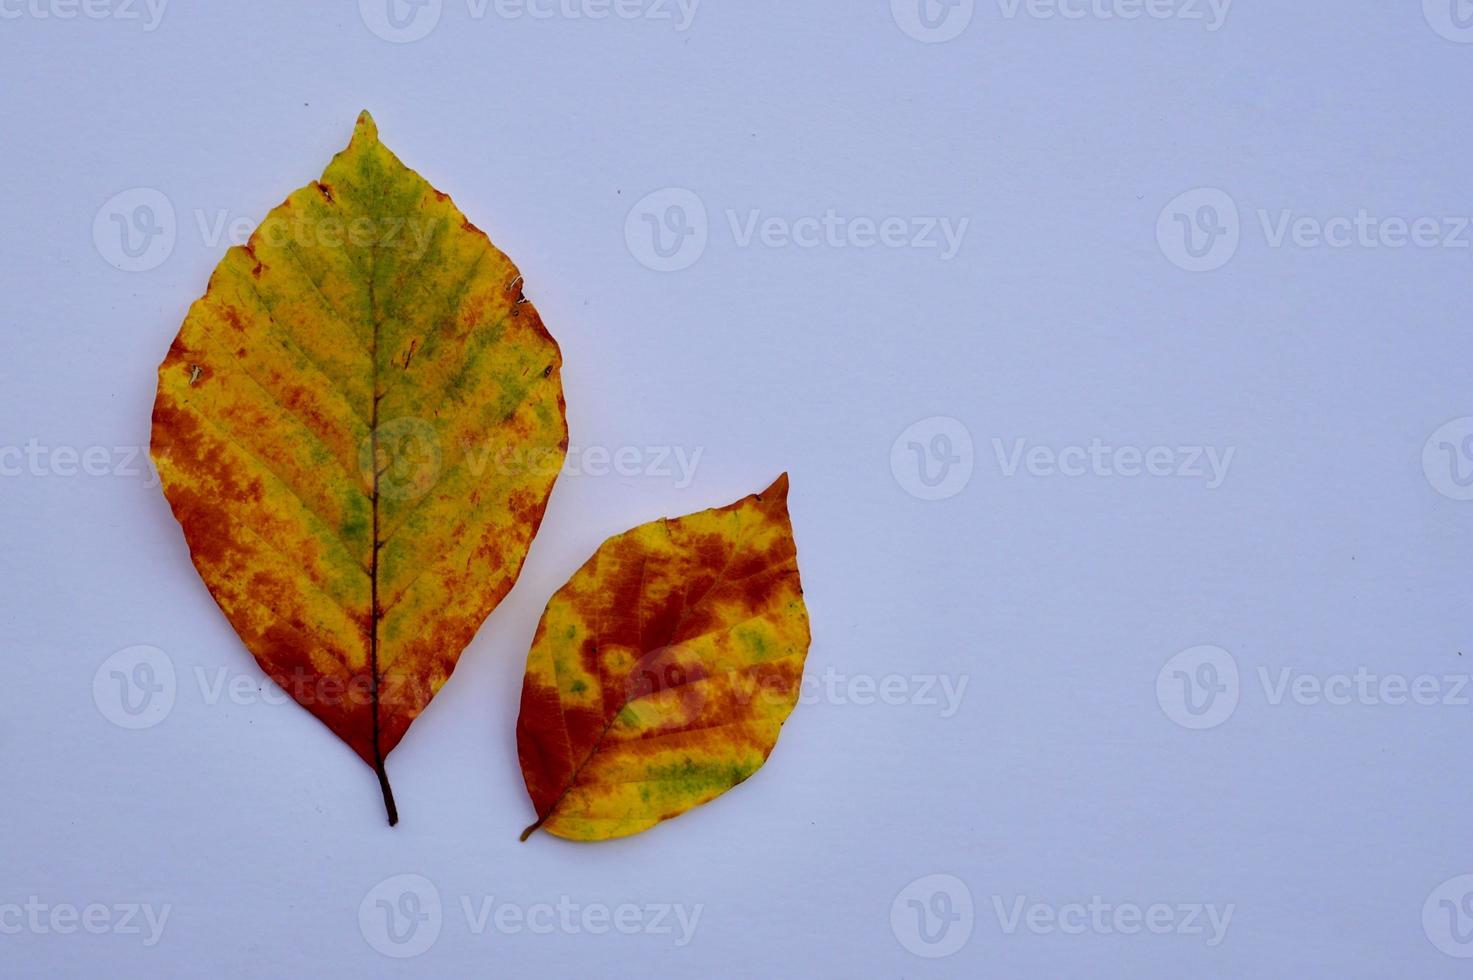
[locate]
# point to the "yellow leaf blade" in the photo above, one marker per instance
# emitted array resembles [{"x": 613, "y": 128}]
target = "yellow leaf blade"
[
  {"x": 331, "y": 429},
  {"x": 662, "y": 672}
]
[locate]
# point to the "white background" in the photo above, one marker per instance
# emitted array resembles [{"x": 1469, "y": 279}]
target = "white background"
[{"x": 1329, "y": 547}]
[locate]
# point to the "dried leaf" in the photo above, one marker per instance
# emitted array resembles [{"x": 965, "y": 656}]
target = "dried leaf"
[
  {"x": 358, "y": 427},
  {"x": 662, "y": 672}
]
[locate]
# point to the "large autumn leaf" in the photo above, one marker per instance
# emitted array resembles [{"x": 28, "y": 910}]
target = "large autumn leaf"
[
  {"x": 358, "y": 427},
  {"x": 661, "y": 673}
]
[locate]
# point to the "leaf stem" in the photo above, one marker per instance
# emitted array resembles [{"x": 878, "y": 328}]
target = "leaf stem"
[
  {"x": 383, "y": 784},
  {"x": 532, "y": 829}
]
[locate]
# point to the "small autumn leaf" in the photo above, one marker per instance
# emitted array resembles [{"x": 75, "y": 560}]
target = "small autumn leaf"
[
  {"x": 358, "y": 427},
  {"x": 661, "y": 673}
]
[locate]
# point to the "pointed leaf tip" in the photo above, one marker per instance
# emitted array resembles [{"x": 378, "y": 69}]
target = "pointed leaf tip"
[
  {"x": 778, "y": 489},
  {"x": 365, "y": 125}
]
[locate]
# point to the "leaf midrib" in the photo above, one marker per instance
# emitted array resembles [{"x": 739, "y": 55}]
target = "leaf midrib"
[{"x": 374, "y": 208}]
